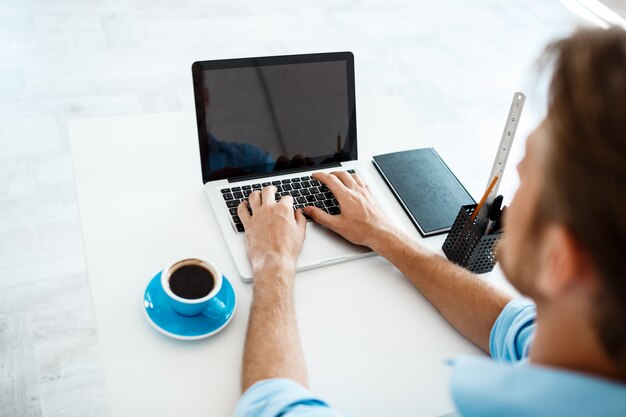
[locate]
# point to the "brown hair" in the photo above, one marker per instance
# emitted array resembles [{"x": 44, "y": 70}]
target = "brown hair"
[{"x": 585, "y": 184}]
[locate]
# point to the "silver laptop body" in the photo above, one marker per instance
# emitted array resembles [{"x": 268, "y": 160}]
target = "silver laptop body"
[{"x": 276, "y": 120}]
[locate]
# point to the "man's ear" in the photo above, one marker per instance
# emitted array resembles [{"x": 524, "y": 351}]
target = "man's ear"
[{"x": 563, "y": 262}]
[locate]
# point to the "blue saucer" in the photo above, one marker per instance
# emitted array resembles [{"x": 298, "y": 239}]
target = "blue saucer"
[{"x": 164, "y": 319}]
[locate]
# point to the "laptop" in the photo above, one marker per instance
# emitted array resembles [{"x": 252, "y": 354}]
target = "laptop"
[{"x": 276, "y": 120}]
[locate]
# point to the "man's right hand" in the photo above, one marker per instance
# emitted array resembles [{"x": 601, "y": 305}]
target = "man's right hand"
[
  {"x": 362, "y": 220},
  {"x": 454, "y": 291}
]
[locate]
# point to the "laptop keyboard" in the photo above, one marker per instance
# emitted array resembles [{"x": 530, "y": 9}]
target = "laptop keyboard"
[{"x": 306, "y": 191}]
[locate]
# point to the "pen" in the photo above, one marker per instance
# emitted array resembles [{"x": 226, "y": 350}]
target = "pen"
[{"x": 494, "y": 214}]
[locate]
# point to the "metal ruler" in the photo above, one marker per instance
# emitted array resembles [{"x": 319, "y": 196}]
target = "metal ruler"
[{"x": 504, "y": 150}]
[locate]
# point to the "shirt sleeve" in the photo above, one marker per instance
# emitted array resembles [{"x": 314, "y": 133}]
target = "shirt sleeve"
[
  {"x": 513, "y": 330},
  {"x": 281, "y": 398}
]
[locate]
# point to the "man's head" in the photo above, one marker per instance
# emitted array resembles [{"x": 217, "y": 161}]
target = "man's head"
[{"x": 566, "y": 228}]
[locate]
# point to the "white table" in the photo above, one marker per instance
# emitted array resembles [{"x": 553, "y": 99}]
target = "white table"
[{"x": 370, "y": 339}]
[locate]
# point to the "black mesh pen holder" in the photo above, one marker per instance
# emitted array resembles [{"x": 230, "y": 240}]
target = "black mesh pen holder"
[{"x": 467, "y": 246}]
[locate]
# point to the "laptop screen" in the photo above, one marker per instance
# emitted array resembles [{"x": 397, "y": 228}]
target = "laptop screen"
[{"x": 272, "y": 115}]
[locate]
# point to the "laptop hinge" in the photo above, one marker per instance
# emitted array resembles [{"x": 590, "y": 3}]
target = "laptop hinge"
[{"x": 283, "y": 172}]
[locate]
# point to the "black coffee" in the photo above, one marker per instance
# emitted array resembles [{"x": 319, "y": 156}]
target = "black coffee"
[{"x": 191, "y": 282}]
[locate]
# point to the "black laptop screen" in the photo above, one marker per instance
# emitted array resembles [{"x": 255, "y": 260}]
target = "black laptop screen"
[{"x": 266, "y": 115}]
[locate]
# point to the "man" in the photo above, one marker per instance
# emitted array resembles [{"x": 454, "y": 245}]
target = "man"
[{"x": 564, "y": 248}]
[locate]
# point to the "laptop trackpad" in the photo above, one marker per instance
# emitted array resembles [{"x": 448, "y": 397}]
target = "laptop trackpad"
[{"x": 324, "y": 247}]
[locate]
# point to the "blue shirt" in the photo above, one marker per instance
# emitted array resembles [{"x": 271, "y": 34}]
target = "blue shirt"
[{"x": 505, "y": 386}]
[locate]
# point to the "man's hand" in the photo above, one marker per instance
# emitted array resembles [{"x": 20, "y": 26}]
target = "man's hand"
[
  {"x": 274, "y": 233},
  {"x": 274, "y": 237},
  {"x": 362, "y": 220},
  {"x": 453, "y": 290}
]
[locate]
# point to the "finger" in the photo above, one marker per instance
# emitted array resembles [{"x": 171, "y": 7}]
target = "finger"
[
  {"x": 333, "y": 183},
  {"x": 345, "y": 178},
  {"x": 255, "y": 199},
  {"x": 320, "y": 216},
  {"x": 268, "y": 195},
  {"x": 359, "y": 180},
  {"x": 242, "y": 212},
  {"x": 300, "y": 219},
  {"x": 286, "y": 200}
]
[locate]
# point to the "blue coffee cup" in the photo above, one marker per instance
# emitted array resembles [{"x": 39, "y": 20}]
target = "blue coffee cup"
[{"x": 191, "y": 306}]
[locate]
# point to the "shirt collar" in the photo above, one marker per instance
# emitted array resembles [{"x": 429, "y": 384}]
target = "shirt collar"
[{"x": 483, "y": 387}]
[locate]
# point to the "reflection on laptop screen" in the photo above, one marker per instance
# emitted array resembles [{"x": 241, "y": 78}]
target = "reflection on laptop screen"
[{"x": 266, "y": 117}]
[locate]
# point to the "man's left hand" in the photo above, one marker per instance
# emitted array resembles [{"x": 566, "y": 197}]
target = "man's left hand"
[{"x": 274, "y": 232}]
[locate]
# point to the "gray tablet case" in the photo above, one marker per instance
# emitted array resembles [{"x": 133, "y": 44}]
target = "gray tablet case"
[{"x": 425, "y": 187}]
